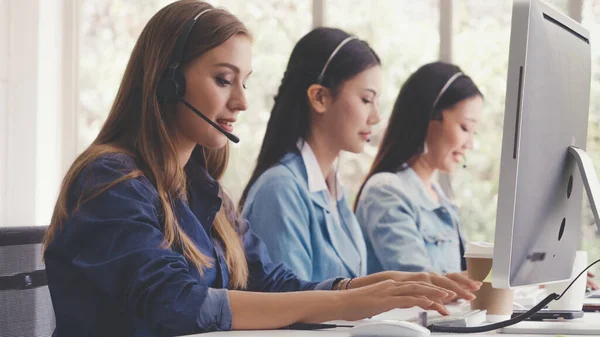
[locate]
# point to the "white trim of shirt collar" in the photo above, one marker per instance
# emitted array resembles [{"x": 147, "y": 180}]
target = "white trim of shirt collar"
[{"x": 316, "y": 180}]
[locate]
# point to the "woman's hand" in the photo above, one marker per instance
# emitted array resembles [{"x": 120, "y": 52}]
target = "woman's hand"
[
  {"x": 254, "y": 310},
  {"x": 386, "y": 295},
  {"x": 457, "y": 283},
  {"x": 591, "y": 284}
]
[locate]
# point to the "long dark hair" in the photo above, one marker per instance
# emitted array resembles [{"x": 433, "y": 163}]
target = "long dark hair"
[
  {"x": 406, "y": 132},
  {"x": 290, "y": 116}
]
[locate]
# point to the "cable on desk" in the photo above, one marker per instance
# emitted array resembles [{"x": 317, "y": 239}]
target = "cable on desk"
[{"x": 507, "y": 323}]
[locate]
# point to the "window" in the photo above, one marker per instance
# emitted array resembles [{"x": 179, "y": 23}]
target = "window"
[
  {"x": 591, "y": 20},
  {"x": 108, "y": 33},
  {"x": 405, "y": 36},
  {"x": 482, "y": 40},
  {"x": 561, "y": 5},
  {"x": 276, "y": 26},
  {"x": 481, "y": 49}
]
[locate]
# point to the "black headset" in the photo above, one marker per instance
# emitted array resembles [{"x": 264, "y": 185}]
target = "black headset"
[{"x": 171, "y": 87}]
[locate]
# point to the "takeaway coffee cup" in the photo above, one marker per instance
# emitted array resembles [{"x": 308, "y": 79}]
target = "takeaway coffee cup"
[{"x": 497, "y": 302}]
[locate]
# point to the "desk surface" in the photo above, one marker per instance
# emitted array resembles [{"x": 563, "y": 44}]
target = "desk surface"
[{"x": 588, "y": 319}]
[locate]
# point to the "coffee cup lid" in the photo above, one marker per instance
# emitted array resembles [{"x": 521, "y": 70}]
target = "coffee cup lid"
[{"x": 479, "y": 250}]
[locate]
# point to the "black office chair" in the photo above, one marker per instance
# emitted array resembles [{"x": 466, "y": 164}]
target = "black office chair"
[{"x": 25, "y": 305}]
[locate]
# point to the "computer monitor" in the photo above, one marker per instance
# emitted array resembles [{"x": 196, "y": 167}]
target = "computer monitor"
[{"x": 538, "y": 222}]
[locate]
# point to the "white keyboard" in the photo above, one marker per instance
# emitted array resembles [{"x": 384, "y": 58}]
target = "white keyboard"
[{"x": 463, "y": 319}]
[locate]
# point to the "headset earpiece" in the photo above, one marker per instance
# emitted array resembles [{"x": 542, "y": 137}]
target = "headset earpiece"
[{"x": 172, "y": 86}]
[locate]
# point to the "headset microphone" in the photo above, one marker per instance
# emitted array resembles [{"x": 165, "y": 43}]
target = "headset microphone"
[
  {"x": 231, "y": 136},
  {"x": 171, "y": 87}
]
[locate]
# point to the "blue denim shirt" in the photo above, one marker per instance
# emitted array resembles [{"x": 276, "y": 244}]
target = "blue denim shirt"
[
  {"x": 109, "y": 276},
  {"x": 405, "y": 229},
  {"x": 298, "y": 226}
]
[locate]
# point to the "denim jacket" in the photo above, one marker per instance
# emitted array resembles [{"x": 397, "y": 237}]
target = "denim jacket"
[
  {"x": 109, "y": 275},
  {"x": 405, "y": 229},
  {"x": 293, "y": 215}
]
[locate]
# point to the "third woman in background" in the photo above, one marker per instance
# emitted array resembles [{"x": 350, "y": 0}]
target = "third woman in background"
[{"x": 408, "y": 221}]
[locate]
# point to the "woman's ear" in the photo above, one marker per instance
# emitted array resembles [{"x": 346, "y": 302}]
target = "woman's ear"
[{"x": 319, "y": 97}]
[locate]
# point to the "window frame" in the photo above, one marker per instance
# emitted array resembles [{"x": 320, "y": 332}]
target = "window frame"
[{"x": 25, "y": 172}]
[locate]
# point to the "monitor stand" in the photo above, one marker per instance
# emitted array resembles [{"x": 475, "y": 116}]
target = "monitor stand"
[
  {"x": 590, "y": 179},
  {"x": 590, "y": 323}
]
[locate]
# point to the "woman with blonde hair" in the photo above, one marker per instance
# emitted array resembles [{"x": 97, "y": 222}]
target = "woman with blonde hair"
[{"x": 144, "y": 242}]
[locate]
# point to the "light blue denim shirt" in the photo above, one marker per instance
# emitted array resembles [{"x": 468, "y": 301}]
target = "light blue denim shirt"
[
  {"x": 295, "y": 219},
  {"x": 405, "y": 229}
]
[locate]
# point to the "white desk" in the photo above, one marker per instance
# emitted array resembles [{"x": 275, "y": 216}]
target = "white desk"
[{"x": 589, "y": 318}]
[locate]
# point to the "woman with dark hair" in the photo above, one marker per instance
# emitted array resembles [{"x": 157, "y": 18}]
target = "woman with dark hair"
[
  {"x": 407, "y": 220},
  {"x": 326, "y": 104}
]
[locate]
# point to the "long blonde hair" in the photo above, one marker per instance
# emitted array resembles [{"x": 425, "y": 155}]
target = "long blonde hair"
[{"x": 138, "y": 126}]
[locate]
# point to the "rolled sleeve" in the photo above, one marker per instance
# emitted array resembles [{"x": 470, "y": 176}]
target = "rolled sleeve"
[
  {"x": 327, "y": 284},
  {"x": 215, "y": 313}
]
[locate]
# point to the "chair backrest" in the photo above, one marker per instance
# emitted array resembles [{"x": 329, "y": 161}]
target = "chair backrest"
[{"x": 25, "y": 305}]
